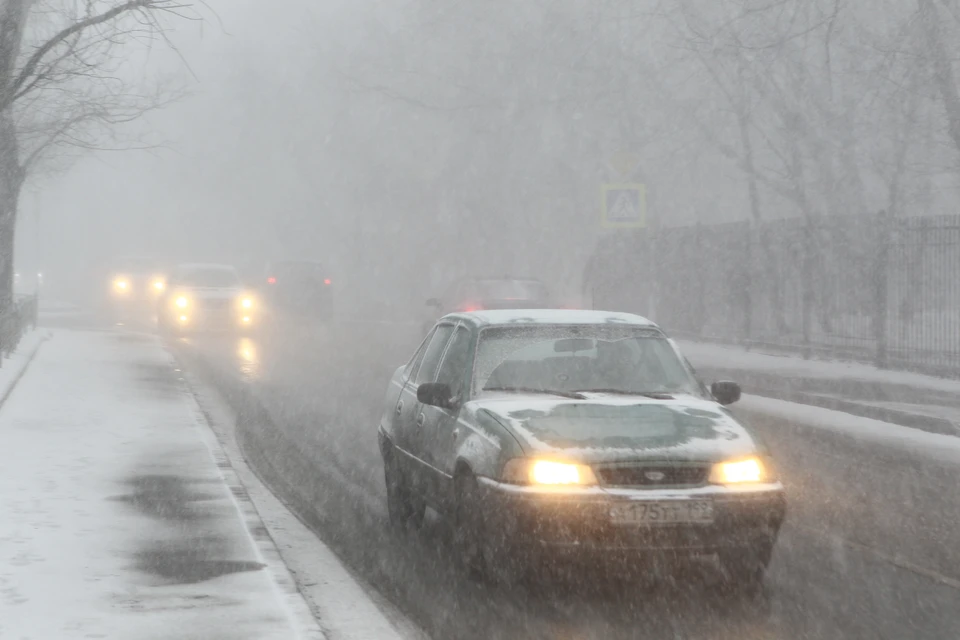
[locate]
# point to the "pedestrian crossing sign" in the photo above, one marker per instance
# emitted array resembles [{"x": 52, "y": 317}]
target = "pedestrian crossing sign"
[{"x": 623, "y": 206}]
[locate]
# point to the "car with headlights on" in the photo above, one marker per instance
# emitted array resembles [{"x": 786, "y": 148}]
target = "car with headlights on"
[
  {"x": 136, "y": 279},
  {"x": 544, "y": 435},
  {"x": 206, "y": 297}
]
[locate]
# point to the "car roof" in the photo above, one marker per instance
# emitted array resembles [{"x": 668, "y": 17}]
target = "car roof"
[
  {"x": 205, "y": 266},
  {"x": 311, "y": 263},
  {"x": 515, "y": 317}
]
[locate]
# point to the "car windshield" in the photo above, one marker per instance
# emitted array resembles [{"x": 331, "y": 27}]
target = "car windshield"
[
  {"x": 566, "y": 359},
  {"x": 510, "y": 290},
  {"x": 136, "y": 266},
  {"x": 214, "y": 277}
]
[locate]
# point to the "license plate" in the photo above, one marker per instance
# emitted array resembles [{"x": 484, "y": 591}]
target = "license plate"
[{"x": 663, "y": 512}]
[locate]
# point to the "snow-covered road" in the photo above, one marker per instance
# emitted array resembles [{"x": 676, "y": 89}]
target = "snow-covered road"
[{"x": 868, "y": 549}]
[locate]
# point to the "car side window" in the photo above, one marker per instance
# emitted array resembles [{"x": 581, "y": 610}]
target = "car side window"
[
  {"x": 452, "y": 370},
  {"x": 411, "y": 369},
  {"x": 431, "y": 357}
]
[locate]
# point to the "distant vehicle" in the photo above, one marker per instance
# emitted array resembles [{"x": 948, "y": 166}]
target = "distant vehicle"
[
  {"x": 299, "y": 288},
  {"x": 475, "y": 294},
  {"x": 544, "y": 435},
  {"x": 136, "y": 280},
  {"x": 206, "y": 297}
]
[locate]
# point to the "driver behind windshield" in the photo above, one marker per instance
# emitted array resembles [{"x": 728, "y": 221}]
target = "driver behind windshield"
[{"x": 624, "y": 365}]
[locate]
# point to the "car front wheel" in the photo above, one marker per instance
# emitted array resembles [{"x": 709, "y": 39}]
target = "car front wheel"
[
  {"x": 482, "y": 550},
  {"x": 403, "y": 506}
]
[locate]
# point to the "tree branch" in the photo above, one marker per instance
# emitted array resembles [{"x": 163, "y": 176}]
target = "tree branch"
[{"x": 34, "y": 60}]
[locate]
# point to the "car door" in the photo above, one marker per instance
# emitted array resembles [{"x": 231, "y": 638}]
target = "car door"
[
  {"x": 438, "y": 434},
  {"x": 408, "y": 411},
  {"x": 393, "y": 401}
]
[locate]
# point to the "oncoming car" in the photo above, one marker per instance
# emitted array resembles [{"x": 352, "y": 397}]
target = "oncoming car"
[
  {"x": 136, "y": 279},
  {"x": 300, "y": 289},
  {"x": 546, "y": 434},
  {"x": 206, "y": 297}
]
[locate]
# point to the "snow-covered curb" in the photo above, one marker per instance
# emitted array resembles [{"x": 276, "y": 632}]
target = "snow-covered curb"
[
  {"x": 931, "y": 445},
  {"x": 346, "y": 609},
  {"x": 708, "y": 355},
  {"x": 14, "y": 367},
  {"x": 298, "y": 612}
]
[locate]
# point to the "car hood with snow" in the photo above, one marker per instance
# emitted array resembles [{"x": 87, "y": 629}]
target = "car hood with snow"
[
  {"x": 211, "y": 293},
  {"x": 607, "y": 428}
]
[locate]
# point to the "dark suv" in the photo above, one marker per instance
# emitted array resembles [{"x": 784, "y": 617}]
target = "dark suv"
[{"x": 298, "y": 289}]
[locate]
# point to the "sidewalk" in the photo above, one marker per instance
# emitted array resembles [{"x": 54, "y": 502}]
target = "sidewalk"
[
  {"x": 898, "y": 397},
  {"x": 116, "y": 520}
]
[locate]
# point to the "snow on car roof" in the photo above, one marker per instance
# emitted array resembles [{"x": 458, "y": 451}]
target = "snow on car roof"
[
  {"x": 206, "y": 266},
  {"x": 553, "y": 316}
]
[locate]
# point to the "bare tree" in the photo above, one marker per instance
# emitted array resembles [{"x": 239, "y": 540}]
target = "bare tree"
[{"x": 60, "y": 87}]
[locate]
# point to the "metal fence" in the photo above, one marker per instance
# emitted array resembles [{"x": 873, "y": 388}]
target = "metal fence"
[{"x": 871, "y": 287}]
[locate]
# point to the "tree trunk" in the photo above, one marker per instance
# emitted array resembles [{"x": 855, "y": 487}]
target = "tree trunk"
[
  {"x": 753, "y": 227},
  {"x": 13, "y": 17},
  {"x": 943, "y": 71}
]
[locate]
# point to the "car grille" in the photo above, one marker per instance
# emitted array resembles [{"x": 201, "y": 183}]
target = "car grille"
[
  {"x": 216, "y": 304},
  {"x": 653, "y": 475}
]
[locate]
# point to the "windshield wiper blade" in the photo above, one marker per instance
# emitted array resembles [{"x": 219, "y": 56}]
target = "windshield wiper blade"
[
  {"x": 624, "y": 392},
  {"x": 564, "y": 394}
]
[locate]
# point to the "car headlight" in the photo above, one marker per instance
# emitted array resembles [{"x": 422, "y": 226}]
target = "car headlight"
[
  {"x": 246, "y": 303},
  {"x": 742, "y": 471},
  {"x": 121, "y": 284},
  {"x": 547, "y": 473},
  {"x": 182, "y": 302},
  {"x": 159, "y": 285}
]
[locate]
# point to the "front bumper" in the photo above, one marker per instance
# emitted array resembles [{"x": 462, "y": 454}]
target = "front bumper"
[
  {"x": 534, "y": 519},
  {"x": 201, "y": 319}
]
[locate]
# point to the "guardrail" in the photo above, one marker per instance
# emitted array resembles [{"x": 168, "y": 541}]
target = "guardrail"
[{"x": 15, "y": 320}]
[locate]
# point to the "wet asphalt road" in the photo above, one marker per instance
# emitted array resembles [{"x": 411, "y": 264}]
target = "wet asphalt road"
[{"x": 870, "y": 548}]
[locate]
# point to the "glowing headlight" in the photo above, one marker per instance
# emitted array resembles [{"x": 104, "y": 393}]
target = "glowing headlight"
[
  {"x": 159, "y": 285},
  {"x": 547, "y": 472},
  {"x": 182, "y": 302},
  {"x": 121, "y": 284},
  {"x": 246, "y": 303},
  {"x": 740, "y": 471}
]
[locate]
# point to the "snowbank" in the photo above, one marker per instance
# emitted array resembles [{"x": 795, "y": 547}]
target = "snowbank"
[{"x": 932, "y": 445}]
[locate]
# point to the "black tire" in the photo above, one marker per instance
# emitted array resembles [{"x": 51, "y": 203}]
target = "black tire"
[
  {"x": 468, "y": 529},
  {"x": 744, "y": 570},
  {"x": 480, "y": 549},
  {"x": 403, "y": 507}
]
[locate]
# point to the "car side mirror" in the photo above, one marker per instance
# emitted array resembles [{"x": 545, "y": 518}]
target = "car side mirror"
[
  {"x": 725, "y": 391},
  {"x": 433, "y": 302},
  {"x": 435, "y": 394}
]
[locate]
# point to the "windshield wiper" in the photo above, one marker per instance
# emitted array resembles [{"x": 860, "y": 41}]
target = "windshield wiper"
[
  {"x": 624, "y": 392},
  {"x": 565, "y": 394}
]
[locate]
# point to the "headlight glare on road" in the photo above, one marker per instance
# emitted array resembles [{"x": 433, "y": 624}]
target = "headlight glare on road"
[
  {"x": 739, "y": 472},
  {"x": 181, "y": 302},
  {"x": 547, "y": 472}
]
